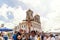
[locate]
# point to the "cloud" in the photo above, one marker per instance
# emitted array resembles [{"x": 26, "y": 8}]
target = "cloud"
[
  {"x": 40, "y": 6},
  {"x": 3, "y": 13},
  {"x": 19, "y": 15},
  {"x": 13, "y": 3},
  {"x": 12, "y": 16},
  {"x": 53, "y": 21},
  {"x": 49, "y": 10}
]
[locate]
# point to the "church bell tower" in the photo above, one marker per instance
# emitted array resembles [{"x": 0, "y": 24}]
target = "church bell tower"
[{"x": 29, "y": 15}]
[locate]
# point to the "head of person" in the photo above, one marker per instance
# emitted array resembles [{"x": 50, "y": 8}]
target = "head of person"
[
  {"x": 56, "y": 35},
  {"x": 15, "y": 32},
  {"x": 20, "y": 31},
  {"x": 27, "y": 36},
  {"x": 38, "y": 35},
  {"x": 33, "y": 33},
  {"x": 47, "y": 36},
  {"x": 51, "y": 35},
  {"x": 19, "y": 37},
  {"x": 42, "y": 32}
]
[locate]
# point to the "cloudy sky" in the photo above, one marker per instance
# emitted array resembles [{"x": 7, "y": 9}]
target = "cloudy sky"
[{"x": 13, "y": 11}]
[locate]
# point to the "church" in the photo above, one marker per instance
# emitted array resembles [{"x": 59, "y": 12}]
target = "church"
[{"x": 30, "y": 23}]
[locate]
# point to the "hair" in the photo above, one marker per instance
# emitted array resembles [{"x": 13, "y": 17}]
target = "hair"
[
  {"x": 15, "y": 32},
  {"x": 51, "y": 35},
  {"x": 38, "y": 35},
  {"x": 56, "y": 35},
  {"x": 18, "y": 35},
  {"x": 33, "y": 31}
]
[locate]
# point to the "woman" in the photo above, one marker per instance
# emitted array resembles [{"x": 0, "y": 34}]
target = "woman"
[
  {"x": 38, "y": 38},
  {"x": 19, "y": 37}
]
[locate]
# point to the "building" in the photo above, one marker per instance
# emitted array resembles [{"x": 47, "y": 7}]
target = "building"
[
  {"x": 31, "y": 23},
  {"x": 2, "y": 25}
]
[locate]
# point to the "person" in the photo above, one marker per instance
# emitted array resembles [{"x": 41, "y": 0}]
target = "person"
[
  {"x": 42, "y": 36},
  {"x": 27, "y": 37},
  {"x": 1, "y": 38},
  {"x": 19, "y": 37},
  {"x": 32, "y": 36},
  {"x": 56, "y": 37},
  {"x": 15, "y": 35},
  {"x": 5, "y": 36},
  {"x": 52, "y": 37},
  {"x": 45, "y": 37},
  {"x": 48, "y": 37},
  {"x": 38, "y": 38},
  {"x": 23, "y": 36},
  {"x": 20, "y": 32}
]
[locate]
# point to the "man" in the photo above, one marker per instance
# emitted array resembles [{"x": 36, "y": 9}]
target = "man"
[
  {"x": 42, "y": 36},
  {"x": 15, "y": 35},
  {"x": 32, "y": 36}
]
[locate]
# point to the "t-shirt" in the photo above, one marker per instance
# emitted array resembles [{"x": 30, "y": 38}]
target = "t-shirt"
[
  {"x": 32, "y": 38},
  {"x": 38, "y": 38}
]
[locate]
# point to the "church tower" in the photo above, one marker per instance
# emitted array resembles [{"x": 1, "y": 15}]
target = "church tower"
[
  {"x": 37, "y": 18},
  {"x": 29, "y": 15}
]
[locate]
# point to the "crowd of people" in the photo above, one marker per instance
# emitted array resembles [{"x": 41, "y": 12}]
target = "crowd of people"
[{"x": 33, "y": 35}]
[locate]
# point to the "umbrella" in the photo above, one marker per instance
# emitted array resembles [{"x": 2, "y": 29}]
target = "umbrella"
[{"x": 5, "y": 29}]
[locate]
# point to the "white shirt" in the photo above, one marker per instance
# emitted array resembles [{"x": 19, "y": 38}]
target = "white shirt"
[
  {"x": 33, "y": 38},
  {"x": 52, "y": 38},
  {"x": 56, "y": 38},
  {"x": 45, "y": 38}
]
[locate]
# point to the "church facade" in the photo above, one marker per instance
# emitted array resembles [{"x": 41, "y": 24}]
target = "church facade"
[{"x": 32, "y": 22}]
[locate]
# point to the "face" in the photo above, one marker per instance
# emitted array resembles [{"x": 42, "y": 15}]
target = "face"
[
  {"x": 27, "y": 36},
  {"x": 19, "y": 37},
  {"x": 33, "y": 34}
]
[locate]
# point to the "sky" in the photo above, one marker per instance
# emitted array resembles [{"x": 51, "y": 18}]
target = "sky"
[{"x": 12, "y": 12}]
